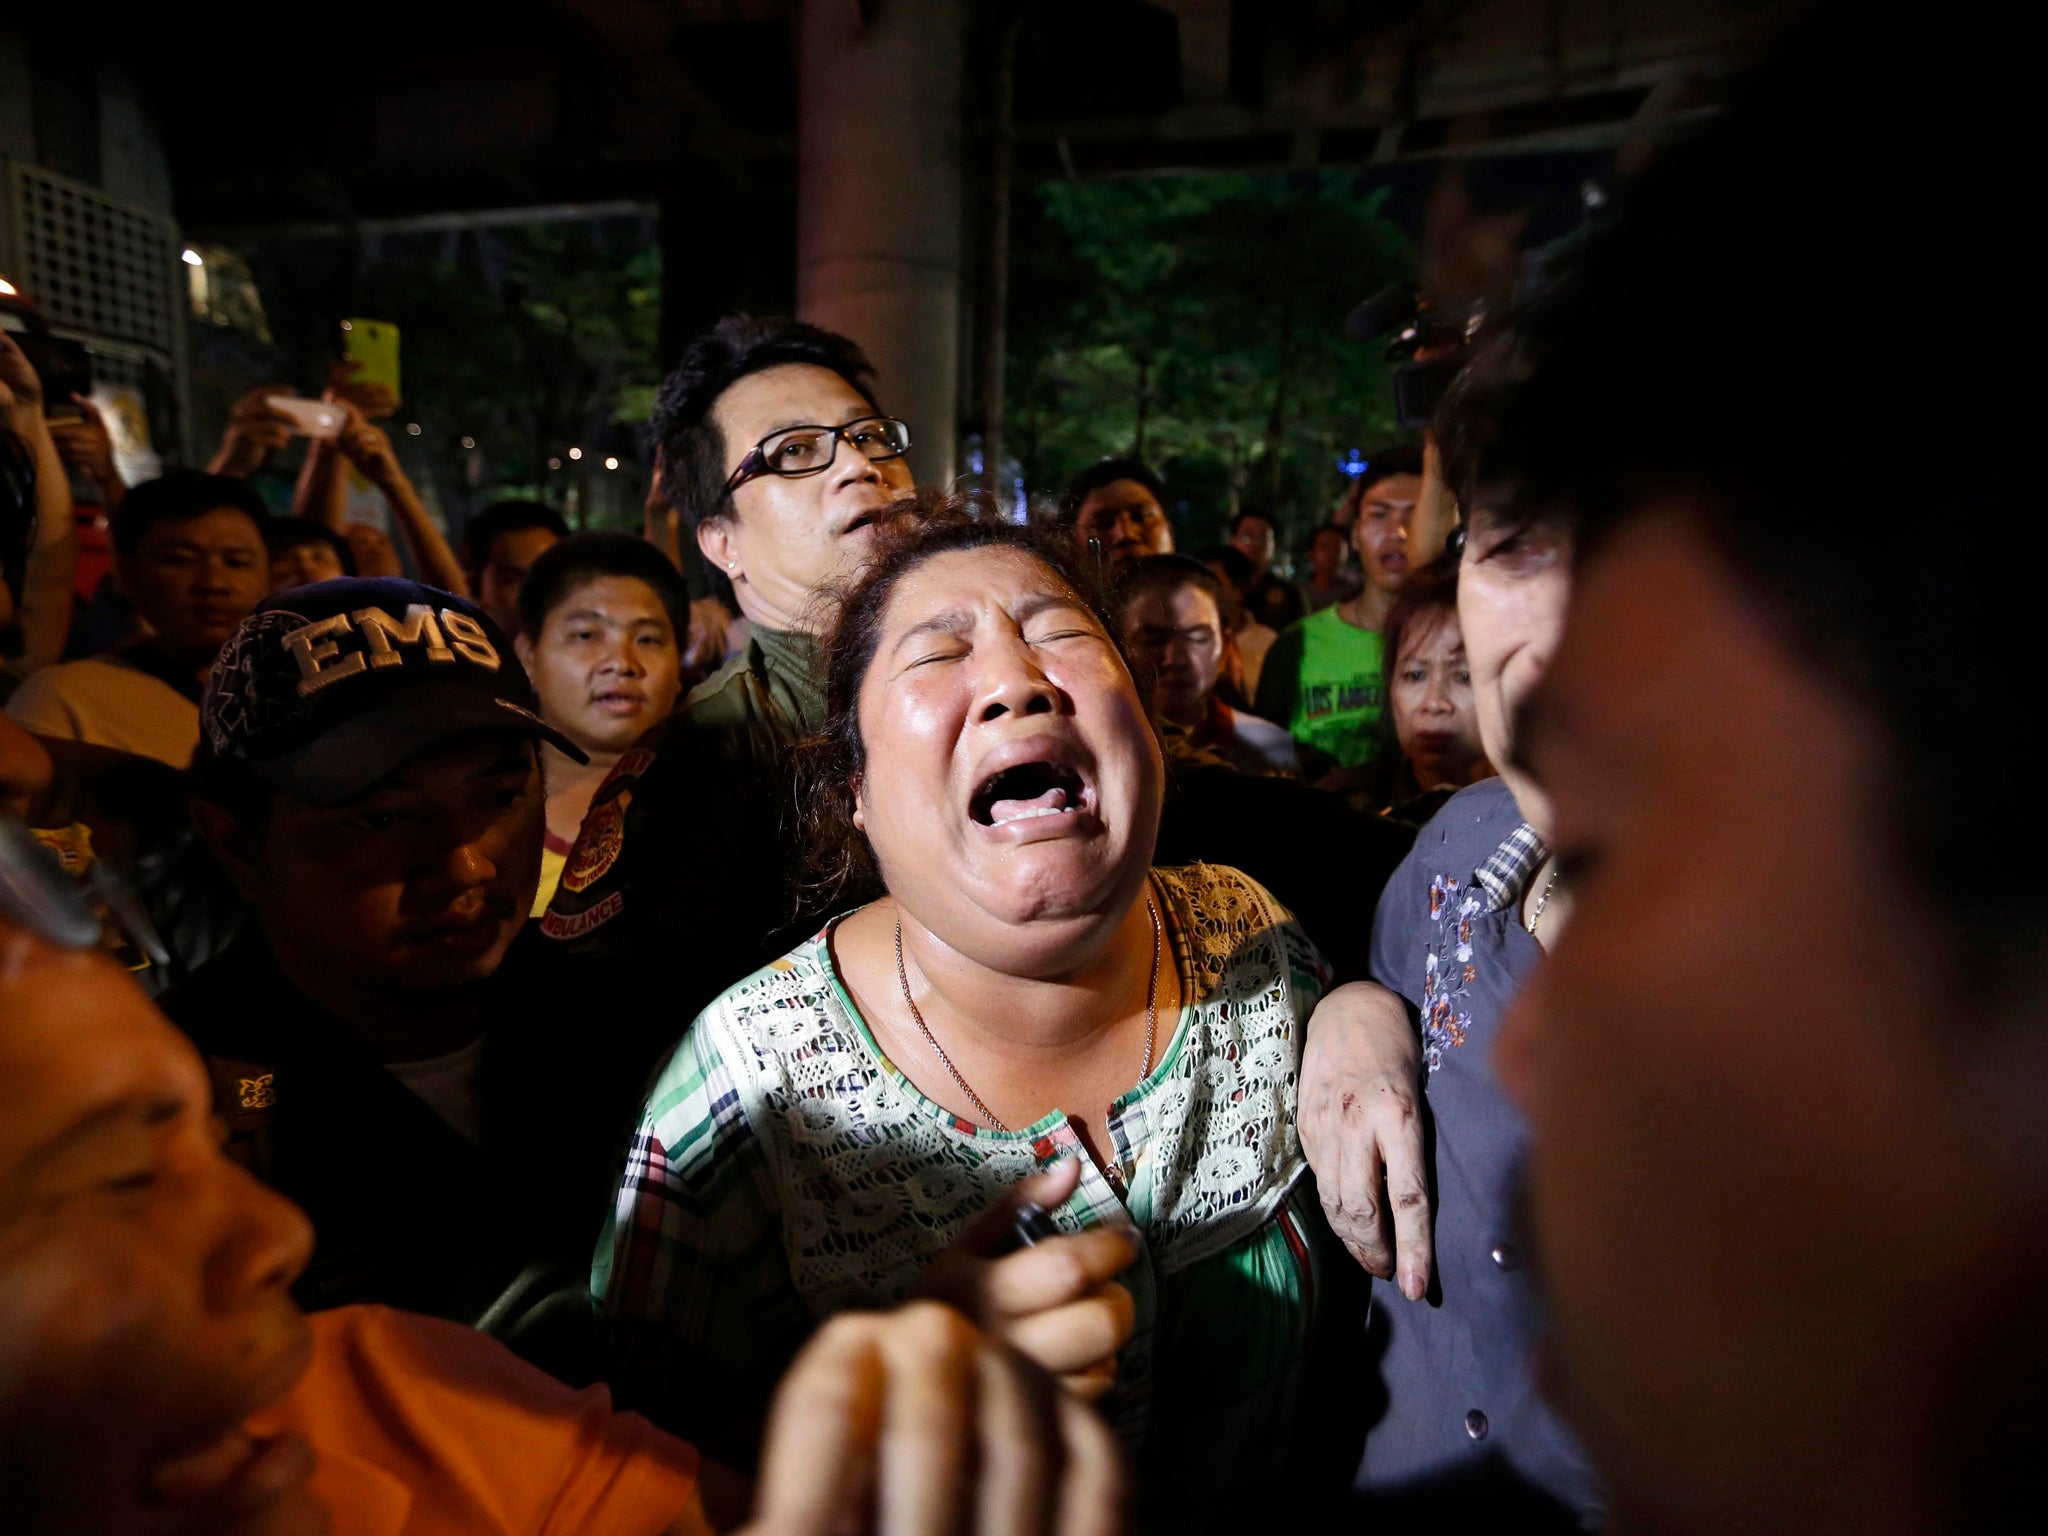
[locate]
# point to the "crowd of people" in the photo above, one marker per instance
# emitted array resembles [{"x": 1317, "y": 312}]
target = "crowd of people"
[{"x": 1009, "y": 1026}]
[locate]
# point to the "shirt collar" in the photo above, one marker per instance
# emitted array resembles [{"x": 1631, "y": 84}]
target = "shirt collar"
[
  {"x": 796, "y": 662},
  {"x": 1505, "y": 874}
]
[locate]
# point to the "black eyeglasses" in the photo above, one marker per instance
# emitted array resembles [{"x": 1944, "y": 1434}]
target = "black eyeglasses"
[{"x": 798, "y": 451}]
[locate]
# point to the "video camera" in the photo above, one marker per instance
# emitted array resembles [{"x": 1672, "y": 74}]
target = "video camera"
[{"x": 1429, "y": 341}]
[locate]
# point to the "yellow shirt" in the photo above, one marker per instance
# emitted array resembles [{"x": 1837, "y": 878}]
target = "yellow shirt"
[{"x": 554, "y": 858}]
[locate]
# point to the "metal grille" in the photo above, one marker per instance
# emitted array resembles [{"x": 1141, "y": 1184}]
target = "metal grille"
[{"x": 96, "y": 266}]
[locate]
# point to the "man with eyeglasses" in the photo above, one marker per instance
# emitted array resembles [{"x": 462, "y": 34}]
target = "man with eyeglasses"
[{"x": 775, "y": 453}]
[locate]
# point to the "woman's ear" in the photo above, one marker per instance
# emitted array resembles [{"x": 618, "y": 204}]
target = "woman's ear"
[
  {"x": 522, "y": 647},
  {"x": 238, "y": 849},
  {"x": 860, "y": 807}
]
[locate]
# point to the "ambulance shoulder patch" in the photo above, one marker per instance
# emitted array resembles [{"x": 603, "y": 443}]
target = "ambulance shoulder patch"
[
  {"x": 574, "y": 925},
  {"x": 598, "y": 844}
]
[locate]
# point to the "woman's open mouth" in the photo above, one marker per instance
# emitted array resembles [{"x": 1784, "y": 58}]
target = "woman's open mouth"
[{"x": 1028, "y": 792}]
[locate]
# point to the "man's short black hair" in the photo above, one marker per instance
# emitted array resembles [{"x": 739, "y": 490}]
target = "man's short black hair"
[
  {"x": 1107, "y": 472},
  {"x": 1169, "y": 573},
  {"x": 582, "y": 557},
  {"x": 288, "y": 533},
  {"x": 1385, "y": 464},
  {"x": 688, "y": 446},
  {"x": 1260, "y": 513},
  {"x": 178, "y": 495},
  {"x": 510, "y": 516}
]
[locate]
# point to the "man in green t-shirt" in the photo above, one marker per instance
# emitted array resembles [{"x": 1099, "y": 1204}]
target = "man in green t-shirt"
[{"x": 1325, "y": 677}]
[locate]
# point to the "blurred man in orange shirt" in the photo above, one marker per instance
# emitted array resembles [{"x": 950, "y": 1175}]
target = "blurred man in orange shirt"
[{"x": 156, "y": 1377}]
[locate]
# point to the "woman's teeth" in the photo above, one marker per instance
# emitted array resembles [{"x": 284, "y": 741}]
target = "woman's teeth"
[
  {"x": 1052, "y": 803},
  {"x": 1043, "y": 810}
]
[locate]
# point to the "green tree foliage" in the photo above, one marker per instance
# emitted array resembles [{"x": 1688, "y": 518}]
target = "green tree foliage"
[
  {"x": 544, "y": 351},
  {"x": 525, "y": 338},
  {"x": 1197, "y": 322}
]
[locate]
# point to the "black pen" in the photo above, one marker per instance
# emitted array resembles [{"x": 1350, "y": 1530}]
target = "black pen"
[{"x": 1034, "y": 1224}]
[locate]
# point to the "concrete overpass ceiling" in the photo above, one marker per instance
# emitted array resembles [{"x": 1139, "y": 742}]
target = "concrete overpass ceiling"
[
  {"x": 413, "y": 109},
  {"x": 1295, "y": 84},
  {"x": 416, "y": 109}
]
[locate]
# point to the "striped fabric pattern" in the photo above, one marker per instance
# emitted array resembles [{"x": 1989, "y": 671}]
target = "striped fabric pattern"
[{"x": 1505, "y": 874}]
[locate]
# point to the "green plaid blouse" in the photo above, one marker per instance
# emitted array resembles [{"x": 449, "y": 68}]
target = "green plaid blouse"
[{"x": 784, "y": 1170}]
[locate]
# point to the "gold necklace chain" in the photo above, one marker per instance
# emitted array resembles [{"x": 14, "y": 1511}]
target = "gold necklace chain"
[
  {"x": 1543, "y": 897},
  {"x": 1151, "y": 1018}
]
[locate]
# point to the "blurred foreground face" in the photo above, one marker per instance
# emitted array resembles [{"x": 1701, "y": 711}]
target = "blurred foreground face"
[
  {"x": 1757, "y": 1200},
  {"x": 790, "y": 536},
  {"x": 605, "y": 664},
  {"x": 1127, "y": 520},
  {"x": 1180, "y": 633},
  {"x": 1430, "y": 694},
  {"x": 1381, "y": 533},
  {"x": 419, "y": 885},
  {"x": 195, "y": 578},
  {"x": 144, "y": 1279}
]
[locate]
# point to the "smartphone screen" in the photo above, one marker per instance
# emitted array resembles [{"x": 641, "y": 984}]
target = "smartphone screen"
[
  {"x": 372, "y": 345},
  {"x": 311, "y": 418}
]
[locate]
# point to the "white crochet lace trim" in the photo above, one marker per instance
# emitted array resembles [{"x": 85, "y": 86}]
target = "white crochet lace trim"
[{"x": 871, "y": 1184}]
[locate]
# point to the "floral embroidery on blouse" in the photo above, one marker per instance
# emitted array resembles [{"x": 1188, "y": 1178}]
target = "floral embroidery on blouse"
[{"x": 1447, "y": 982}]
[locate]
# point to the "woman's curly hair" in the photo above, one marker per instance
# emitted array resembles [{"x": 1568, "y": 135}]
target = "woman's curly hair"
[{"x": 838, "y": 862}]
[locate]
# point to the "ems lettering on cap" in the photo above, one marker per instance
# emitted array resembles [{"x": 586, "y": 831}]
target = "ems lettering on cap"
[
  {"x": 325, "y": 655},
  {"x": 325, "y": 689}
]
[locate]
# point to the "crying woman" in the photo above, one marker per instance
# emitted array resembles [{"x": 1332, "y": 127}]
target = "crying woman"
[{"x": 1031, "y": 1016}]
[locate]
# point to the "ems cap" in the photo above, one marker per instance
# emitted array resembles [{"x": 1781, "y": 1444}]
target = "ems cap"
[{"x": 325, "y": 689}]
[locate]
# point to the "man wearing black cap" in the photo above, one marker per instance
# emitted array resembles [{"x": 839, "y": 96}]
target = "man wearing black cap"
[{"x": 368, "y": 773}]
